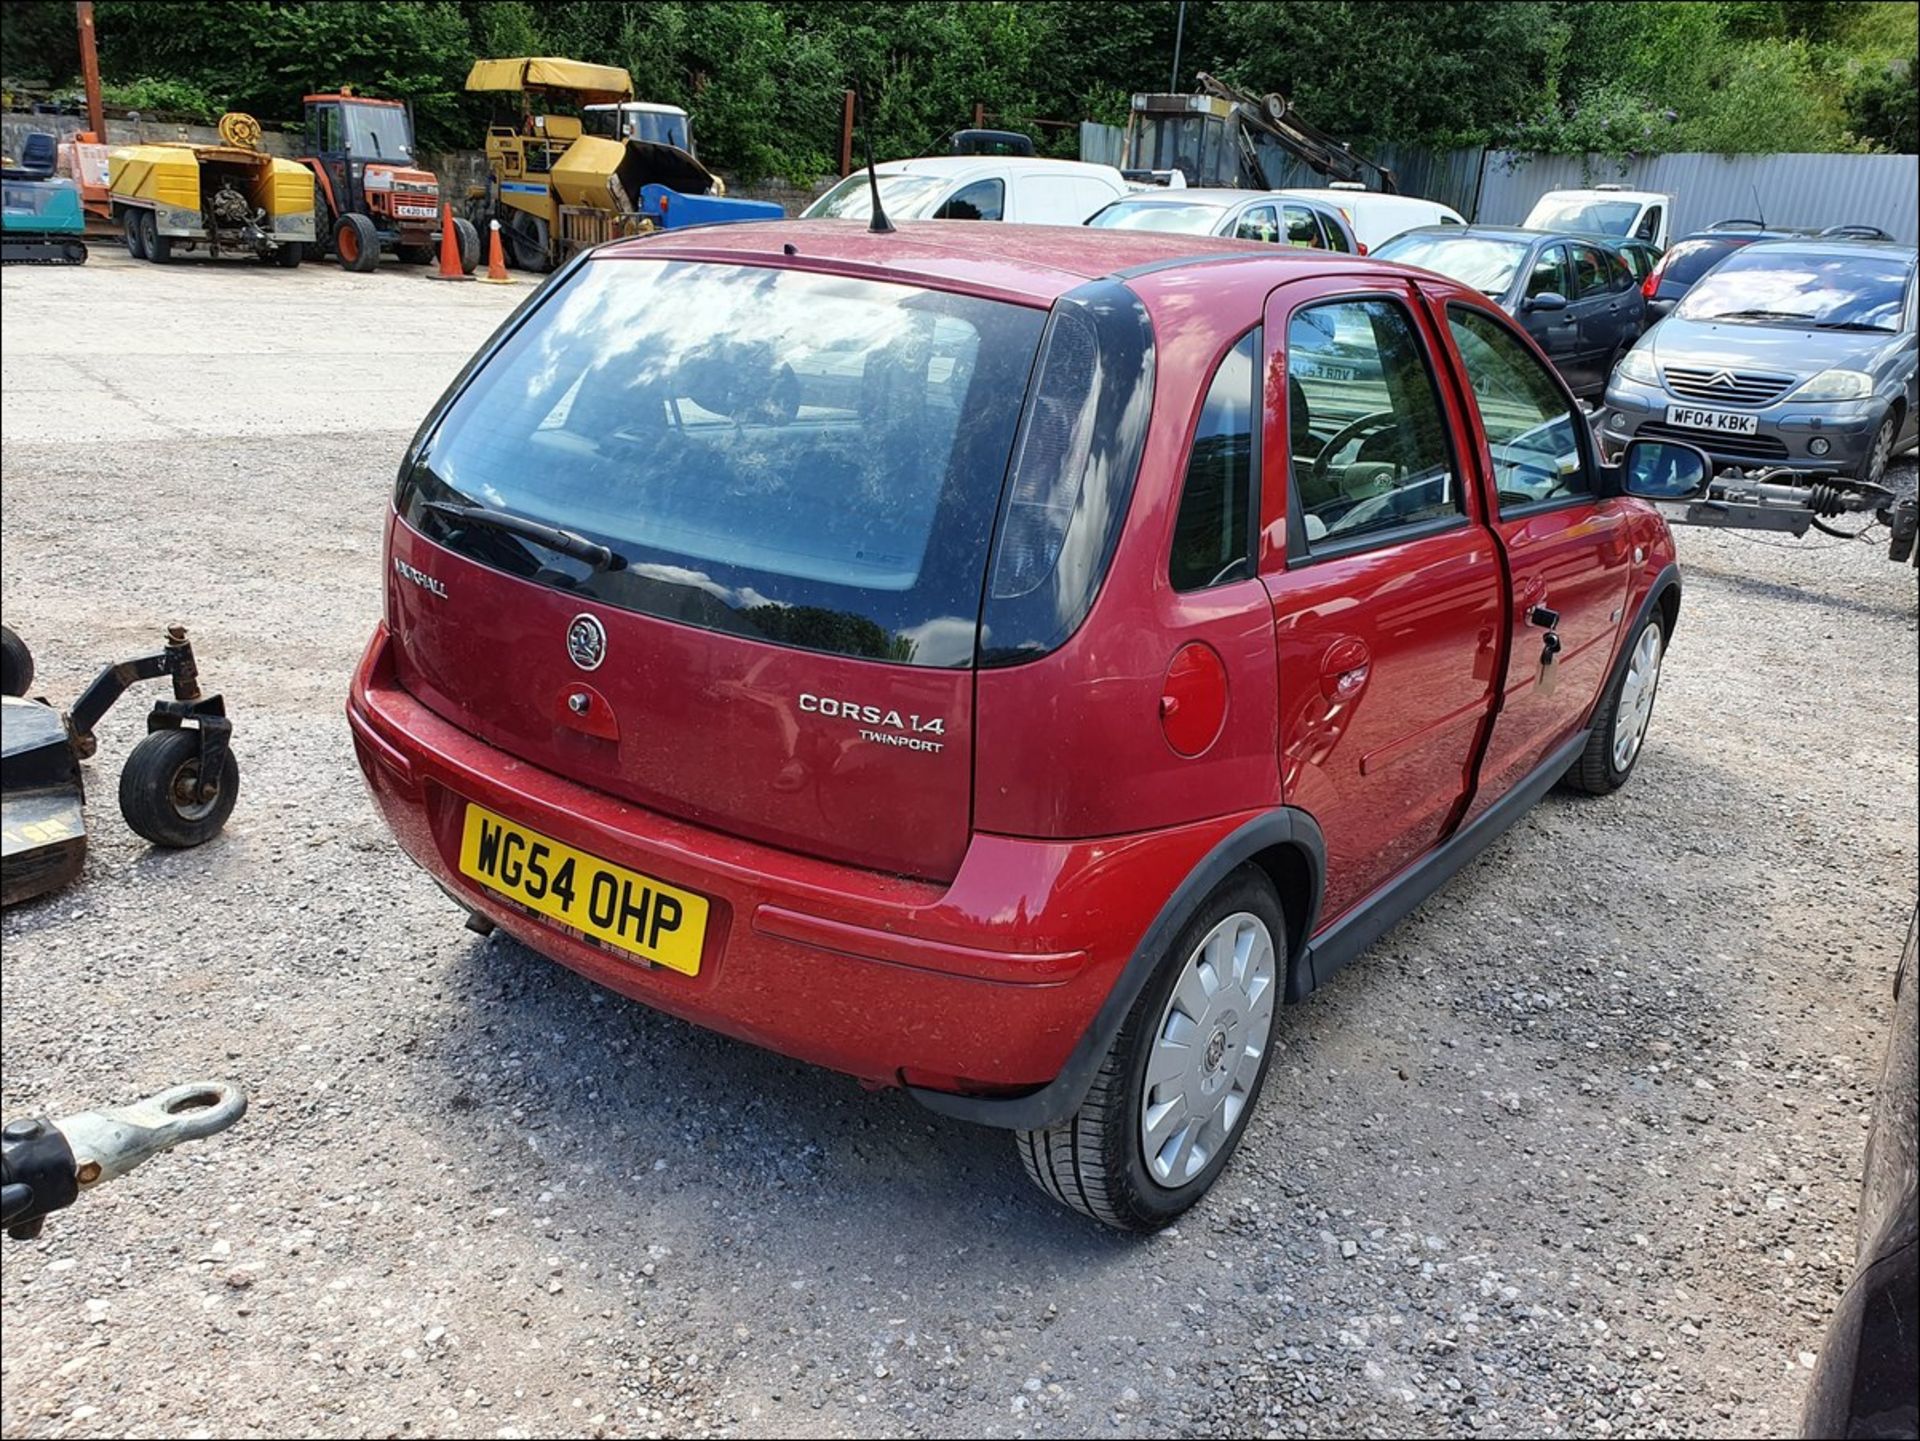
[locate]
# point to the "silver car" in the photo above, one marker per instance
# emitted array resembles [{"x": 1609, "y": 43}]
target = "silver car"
[
  {"x": 1796, "y": 353},
  {"x": 1243, "y": 214}
]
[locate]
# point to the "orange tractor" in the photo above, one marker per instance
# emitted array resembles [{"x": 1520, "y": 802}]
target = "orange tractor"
[{"x": 368, "y": 193}]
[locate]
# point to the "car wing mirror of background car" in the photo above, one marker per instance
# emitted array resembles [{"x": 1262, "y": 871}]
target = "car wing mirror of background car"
[
  {"x": 1547, "y": 300},
  {"x": 1662, "y": 470}
]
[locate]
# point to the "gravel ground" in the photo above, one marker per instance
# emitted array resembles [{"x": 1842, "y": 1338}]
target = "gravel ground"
[{"x": 1572, "y": 1152}]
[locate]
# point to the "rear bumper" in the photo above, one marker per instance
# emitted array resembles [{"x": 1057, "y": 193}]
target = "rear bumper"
[{"x": 980, "y": 987}]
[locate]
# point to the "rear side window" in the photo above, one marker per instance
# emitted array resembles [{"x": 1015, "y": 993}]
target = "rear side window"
[
  {"x": 982, "y": 200},
  {"x": 1369, "y": 445},
  {"x": 1303, "y": 227},
  {"x": 808, "y": 459},
  {"x": 1532, "y": 432},
  {"x": 1210, "y": 534},
  {"x": 1590, "y": 274},
  {"x": 1075, "y": 460},
  {"x": 1619, "y": 273}
]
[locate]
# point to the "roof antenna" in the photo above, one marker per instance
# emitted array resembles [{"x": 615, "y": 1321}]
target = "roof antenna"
[
  {"x": 879, "y": 224},
  {"x": 1759, "y": 213}
]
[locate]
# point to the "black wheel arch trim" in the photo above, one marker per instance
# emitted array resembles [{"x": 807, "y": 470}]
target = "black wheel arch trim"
[
  {"x": 1061, "y": 1097},
  {"x": 1668, "y": 581}
]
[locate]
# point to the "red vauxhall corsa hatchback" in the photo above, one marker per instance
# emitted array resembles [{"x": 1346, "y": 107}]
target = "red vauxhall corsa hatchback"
[{"x": 1003, "y": 662}]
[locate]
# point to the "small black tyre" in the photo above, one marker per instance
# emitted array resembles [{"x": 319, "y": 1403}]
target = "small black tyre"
[
  {"x": 469, "y": 242},
  {"x": 290, "y": 254},
  {"x": 1620, "y": 722},
  {"x": 134, "y": 233},
  {"x": 16, "y": 663},
  {"x": 356, "y": 243},
  {"x": 1173, "y": 1094},
  {"x": 158, "y": 791},
  {"x": 158, "y": 247}
]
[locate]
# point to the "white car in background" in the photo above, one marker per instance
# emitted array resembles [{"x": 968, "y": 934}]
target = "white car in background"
[
  {"x": 1021, "y": 189},
  {"x": 1375, "y": 218},
  {"x": 1607, "y": 210}
]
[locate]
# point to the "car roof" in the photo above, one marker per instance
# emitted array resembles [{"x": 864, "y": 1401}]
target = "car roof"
[
  {"x": 1512, "y": 232},
  {"x": 1034, "y": 264},
  {"x": 1204, "y": 194},
  {"x": 1586, "y": 192},
  {"x": 1375, "y": 197},
  {"x": 1837, "y": 247},
  {"x": 954, "y": 166}
]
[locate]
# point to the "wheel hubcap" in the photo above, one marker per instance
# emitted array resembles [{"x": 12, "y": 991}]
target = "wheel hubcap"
[
  {"x": 1207, "y": 1049},
  {"x": 1882, "y": 451},
  {"x": 1636, "y": 698}
]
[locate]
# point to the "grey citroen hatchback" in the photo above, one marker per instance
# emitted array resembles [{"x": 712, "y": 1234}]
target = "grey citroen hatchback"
[{"x": 1796, "y": 353}]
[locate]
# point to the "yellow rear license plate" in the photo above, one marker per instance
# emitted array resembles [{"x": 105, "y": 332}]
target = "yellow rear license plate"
[{"x": 610, "y": 903}]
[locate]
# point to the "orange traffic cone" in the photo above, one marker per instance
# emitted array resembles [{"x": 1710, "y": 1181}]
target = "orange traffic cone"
[
  {"x": 450, "y": 267},
  {"x": 496, "y": 261}
]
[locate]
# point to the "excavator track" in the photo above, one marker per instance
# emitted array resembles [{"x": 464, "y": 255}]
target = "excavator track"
[{"x": 43, "y": 252}]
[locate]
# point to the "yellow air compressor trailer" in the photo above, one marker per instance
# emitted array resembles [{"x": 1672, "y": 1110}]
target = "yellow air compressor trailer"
[{"x": 231, "y": 198}]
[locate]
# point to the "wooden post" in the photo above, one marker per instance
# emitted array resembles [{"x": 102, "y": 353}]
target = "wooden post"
[
  {"x": 90, "y": 69},
  {"x": 846, "y": 133},
  {"x": 979, "y": 116}
]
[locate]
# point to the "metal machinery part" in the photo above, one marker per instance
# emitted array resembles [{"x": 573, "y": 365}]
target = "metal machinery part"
[
  {"x": 1795, "y": 502},
  {"x": 45, "y": 1165}
]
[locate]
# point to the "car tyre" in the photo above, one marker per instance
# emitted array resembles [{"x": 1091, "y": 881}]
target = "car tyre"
[
  {"x": 1873, "y": 465},
  {"x": 158, "y": 791},
  {"x": 16, "y": 663},
  {"x": 1228, "y": 962},
  {"x": 1620, "y": 724}
]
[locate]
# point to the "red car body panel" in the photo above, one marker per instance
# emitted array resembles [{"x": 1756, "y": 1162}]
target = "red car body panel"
[
  {"x": 961, "y": 931},
  {"x": 983, "y": 982}
]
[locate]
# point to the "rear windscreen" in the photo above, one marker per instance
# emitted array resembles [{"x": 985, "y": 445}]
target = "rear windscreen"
[
  {"x": 1691, "y": 259},
  {"x": 803, "y": 458}
]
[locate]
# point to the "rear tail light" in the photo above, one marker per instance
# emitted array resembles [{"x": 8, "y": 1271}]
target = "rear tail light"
[
  {"x": 1363, "y": 246},
  {"x": 1650, "y": 287}
]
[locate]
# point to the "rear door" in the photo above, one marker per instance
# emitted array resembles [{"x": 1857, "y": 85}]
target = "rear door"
[
  {"x": 1567, "y": 552},
  {"x": 1557, "y": 332},
  {"x": 1387, "y": 592},
  {"x": 1601, "y": 308}
]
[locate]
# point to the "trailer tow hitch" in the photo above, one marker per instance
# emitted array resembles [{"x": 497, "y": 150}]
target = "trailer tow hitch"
[{"x": 45, "y": 1165}]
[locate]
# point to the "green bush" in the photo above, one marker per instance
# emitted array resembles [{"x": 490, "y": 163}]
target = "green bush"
[{"x": 158, "y": 99}]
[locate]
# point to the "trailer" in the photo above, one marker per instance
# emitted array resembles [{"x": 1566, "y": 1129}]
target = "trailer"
[{"x": 231, "y": 198}]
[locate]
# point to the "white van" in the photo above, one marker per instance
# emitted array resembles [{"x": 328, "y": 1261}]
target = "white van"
[
  {"x": 1021, "y": 189},
  {"x": 1607, "y": 210},
  {"x": 1375, "y": 218}
]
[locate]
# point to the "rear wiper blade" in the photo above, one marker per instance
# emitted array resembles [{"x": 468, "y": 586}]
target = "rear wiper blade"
[{"x": 566, "y": 542}]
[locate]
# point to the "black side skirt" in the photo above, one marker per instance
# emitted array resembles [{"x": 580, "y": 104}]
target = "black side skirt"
[
  {"x": 1324, "y": 955},
  {"x": 1384, "y": 909}
]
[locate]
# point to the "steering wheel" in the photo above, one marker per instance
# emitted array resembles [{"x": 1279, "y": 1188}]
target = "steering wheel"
[{"x": 1365, "y": 426}]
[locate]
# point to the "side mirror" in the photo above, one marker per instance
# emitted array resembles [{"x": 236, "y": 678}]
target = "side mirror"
[
  {"x": 1546, "y": 300},
  {"x": 1664, "y": 470},
  {"x": 1659, "y": 309}
]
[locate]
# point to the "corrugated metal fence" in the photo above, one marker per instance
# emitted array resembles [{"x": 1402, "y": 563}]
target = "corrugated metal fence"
[{"x": 1817, "y": 190}]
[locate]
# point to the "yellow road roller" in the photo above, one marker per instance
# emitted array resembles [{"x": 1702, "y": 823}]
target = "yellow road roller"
[{"x": 232, "y": 198}]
